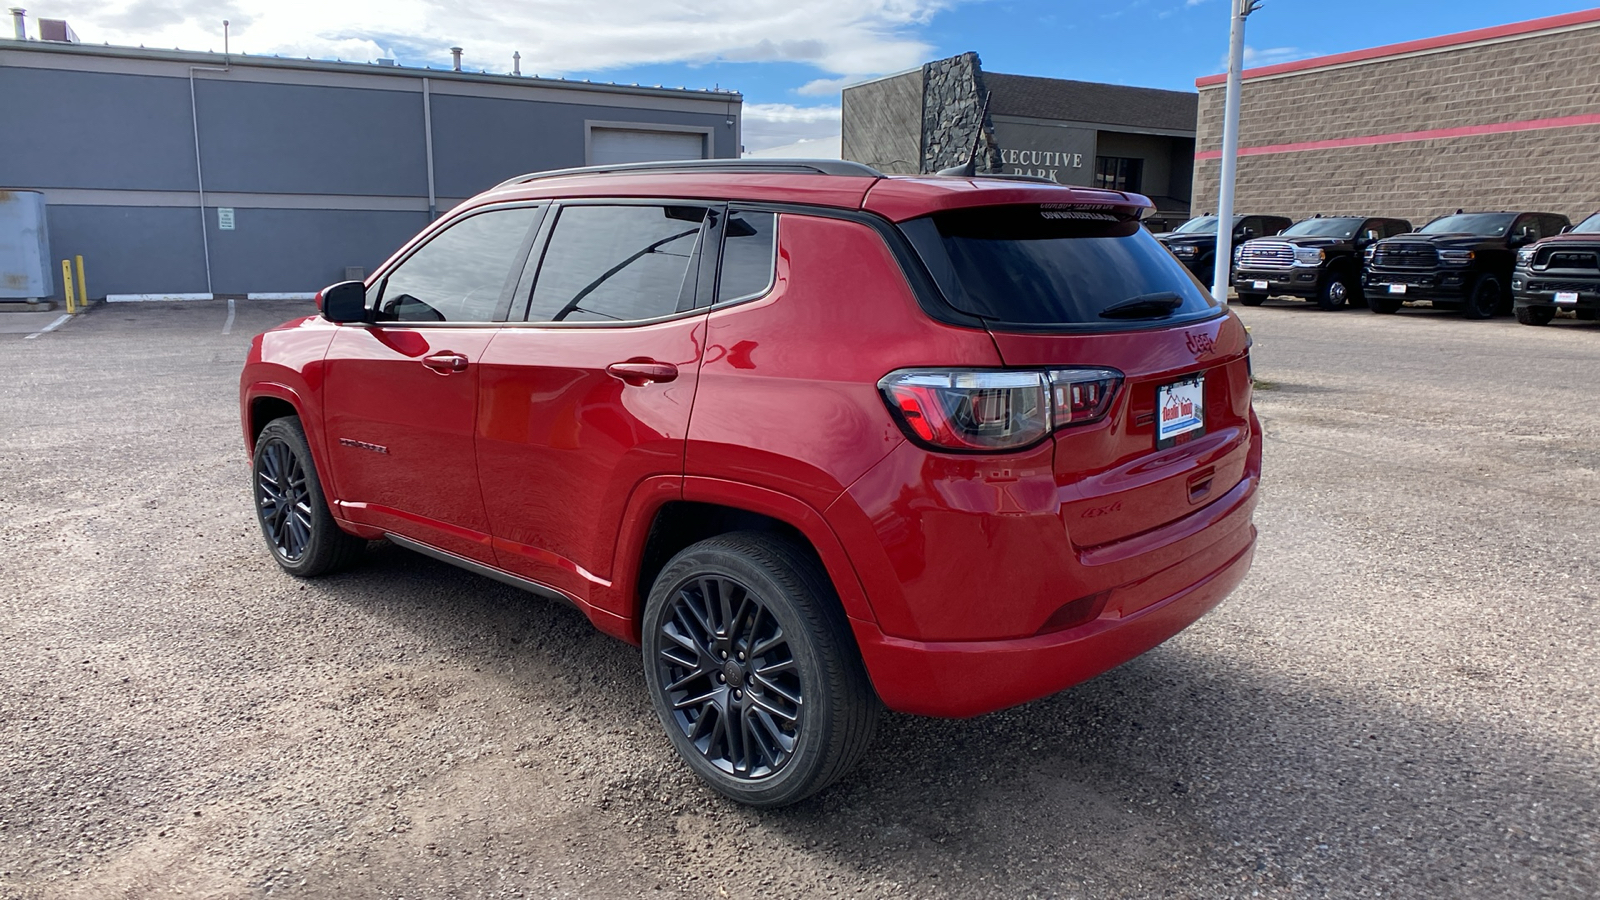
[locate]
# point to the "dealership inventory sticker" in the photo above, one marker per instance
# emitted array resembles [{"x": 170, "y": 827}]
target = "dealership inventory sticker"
[{"x": 1180, "y": 411}]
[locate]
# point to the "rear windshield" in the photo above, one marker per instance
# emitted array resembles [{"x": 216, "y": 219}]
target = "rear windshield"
[
  {"x": 1486, "y": 224},
  {"x": 1047, "y": 265}
]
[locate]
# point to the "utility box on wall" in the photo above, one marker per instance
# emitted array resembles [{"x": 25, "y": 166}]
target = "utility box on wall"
[{"x": 25, "y": 271}]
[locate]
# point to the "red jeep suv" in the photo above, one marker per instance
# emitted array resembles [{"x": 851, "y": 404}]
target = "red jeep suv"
[{"x": 820, "y": 440}]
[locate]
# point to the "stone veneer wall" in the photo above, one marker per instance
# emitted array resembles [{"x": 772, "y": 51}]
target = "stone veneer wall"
[
  {"x": 952, "y": 97},
  {"x": 882, "y": 123},
  {"x": 1538, "y": 76}
]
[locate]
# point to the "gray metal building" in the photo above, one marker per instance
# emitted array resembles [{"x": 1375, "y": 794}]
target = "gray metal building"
[
  {"x": 1073, "y": 132},
  {"x": 174, "y": 172}
]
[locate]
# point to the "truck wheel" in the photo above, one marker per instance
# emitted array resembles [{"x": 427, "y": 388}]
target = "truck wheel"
[
  {"x": 1335, "y": 292},
  {"x": 1535, "y": 315},
  {"x": 291, "y": 507},
  {"x": 1485, "y": 299},
  {"x": 1252, "y": 299},
  {"x": 1381, "y": 303},
  {"x": 753, "y": 671},
  {"x": 1588, "y": 315}
]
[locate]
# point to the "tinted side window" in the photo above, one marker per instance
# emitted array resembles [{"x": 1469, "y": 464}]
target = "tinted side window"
[
  {"x": 749, "y": 255},
  {"x": 619, "y": 264},
  {"x": 1552, "y": 225},
  {"x": 460, "y": 274},
  {"x": 1395, "y": 227}
]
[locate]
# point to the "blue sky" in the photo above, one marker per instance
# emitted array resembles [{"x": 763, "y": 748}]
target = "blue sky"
[
  {"x": 1152, "y": 43},
  {"x": 789, "y": 57}
]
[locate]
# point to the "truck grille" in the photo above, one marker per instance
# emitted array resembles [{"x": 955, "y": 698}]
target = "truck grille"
[
  {"x": 1406, "y": 256},
  {"x": 1266, "y": 255},
  {"x": 1568, "y": 259}
]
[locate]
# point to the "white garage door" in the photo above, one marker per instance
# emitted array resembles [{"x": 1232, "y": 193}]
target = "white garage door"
[{"x": 609, "y": 146}]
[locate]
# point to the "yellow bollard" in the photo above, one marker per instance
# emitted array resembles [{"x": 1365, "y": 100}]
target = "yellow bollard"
[
  {"x": 66, "y": 283},
  {"x": 83, "y": 286}
]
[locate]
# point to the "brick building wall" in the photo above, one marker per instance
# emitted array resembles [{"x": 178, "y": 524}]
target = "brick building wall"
[{"x": 1504, "y": 118}]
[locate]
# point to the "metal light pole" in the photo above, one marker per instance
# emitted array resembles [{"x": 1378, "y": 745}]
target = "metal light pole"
[{"x": 1239, "y": 11}]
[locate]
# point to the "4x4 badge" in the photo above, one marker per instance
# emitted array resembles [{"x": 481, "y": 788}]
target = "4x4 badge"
[{"x": 1200, "y": 343}]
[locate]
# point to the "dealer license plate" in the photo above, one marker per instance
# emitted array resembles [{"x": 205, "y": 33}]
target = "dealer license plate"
[
  {"x": 1397, "y": 289},
  {"x": 1566, "y": 296},
  {"x": 1180, "y": 411},
  {"x": 1260, "y": 285}
]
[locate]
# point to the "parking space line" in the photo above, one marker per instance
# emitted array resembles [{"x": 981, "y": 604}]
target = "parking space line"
[
  {"x": 228, "y": 325},
  {"x": 62, "y": 320}
]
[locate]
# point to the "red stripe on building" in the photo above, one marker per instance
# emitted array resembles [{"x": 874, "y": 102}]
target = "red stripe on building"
[
  {"x": 1407, "y": 136},
  {"x": 1449, "y": 40}
]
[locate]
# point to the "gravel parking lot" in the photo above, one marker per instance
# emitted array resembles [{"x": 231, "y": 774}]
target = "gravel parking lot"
[{"x": 1400, "y": 700}]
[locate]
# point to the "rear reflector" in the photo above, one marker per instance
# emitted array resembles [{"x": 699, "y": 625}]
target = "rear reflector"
[{"x": 977, "y": 410}]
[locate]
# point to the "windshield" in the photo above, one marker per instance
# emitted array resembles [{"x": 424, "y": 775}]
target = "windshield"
[
  {"x": 1032, "y": 265},
  {"x": 1590, "y": 225},
  {"x": 1344, "y": 229},
  {"x": 1203, "y": 223},
  {"x": 1486, "y": 224}
]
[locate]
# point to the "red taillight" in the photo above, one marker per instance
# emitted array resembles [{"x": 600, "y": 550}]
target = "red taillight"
[
  {"x": 1082, "y": 395},
  {"x": 987, "y": 410}
]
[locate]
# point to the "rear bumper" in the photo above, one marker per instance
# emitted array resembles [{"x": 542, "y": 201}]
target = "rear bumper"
[{"x": 957, "y": 679}]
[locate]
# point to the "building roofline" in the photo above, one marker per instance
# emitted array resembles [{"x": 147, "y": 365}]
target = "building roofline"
[
  {"x": 881, "y": 78},
  {"x": 210, "y": 58},
  {"x": 1460, "y": 39}
]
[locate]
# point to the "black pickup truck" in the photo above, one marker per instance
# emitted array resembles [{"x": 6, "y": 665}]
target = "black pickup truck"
[
  {"x": 1461, "y": 261},
  {"x": 1194, "y": 242},
  {"x": 1561, "y": 272},
  {"x": 1319, "y": 259}
]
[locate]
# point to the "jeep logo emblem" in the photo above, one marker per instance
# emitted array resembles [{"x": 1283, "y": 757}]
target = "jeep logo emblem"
[{"x": 1200, "y": 343}]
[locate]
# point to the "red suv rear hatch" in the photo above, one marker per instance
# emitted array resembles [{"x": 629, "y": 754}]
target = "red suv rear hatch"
[{"x": 1063, "y": 287}]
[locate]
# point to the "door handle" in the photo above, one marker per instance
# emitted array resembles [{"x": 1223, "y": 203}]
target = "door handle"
[
  {"x": 640, "y": 372},
  {"x": 446, "y": 362}
]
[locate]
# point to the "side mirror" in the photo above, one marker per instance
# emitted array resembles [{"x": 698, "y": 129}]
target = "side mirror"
[
  {"x": 1371, "y": 235},
  {"x": 1524, "y": 235},
  {"x": 1246, "y": 234},
  {"x": 343, "y": 302},
  {"x": 1566, "y": 228}
]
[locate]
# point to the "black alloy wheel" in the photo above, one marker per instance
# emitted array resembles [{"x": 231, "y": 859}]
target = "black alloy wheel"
[
  {"x": 290, "y": 505},
  {"x": 1485, "y": 299},
  {"x": 283, "y": 500},
  {"x": 753, "y": 671},
  {"x": 728, "y": 670},
  {"x": 1535, "y": 315}
]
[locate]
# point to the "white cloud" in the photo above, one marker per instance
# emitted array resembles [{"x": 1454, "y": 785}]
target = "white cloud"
[
  {"x": 1271, "y": 56},
  {"x": 769, "y": 125},
  {"x": 841, "y": 37},
  {"x": 830, "y": 147}
]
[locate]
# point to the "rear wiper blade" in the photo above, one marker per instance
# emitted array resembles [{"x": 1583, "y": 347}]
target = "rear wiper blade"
[{"x": 1144, "y": 306}]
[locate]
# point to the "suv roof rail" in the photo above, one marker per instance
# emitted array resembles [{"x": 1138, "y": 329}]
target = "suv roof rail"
[{"x": 745, "y": 166}]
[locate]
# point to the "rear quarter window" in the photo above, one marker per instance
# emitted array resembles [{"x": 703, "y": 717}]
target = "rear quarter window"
[{"x": 1039, "y": 266}]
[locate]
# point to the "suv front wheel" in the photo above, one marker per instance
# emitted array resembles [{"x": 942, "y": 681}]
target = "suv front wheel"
[
  {"x": 291, "y": 507},
  {"x": 752, "y": 669}
]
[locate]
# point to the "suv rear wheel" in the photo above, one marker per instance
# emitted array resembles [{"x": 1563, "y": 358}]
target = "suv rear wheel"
[
  {"x": 752, "y": 669},
  {"x": 1535, "y": 315},
  {"x": 291, "y": 507},
  {"x": 1485, "y": 299}
]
